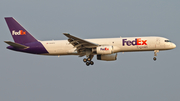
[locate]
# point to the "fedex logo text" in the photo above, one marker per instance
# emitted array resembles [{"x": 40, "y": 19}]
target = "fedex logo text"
[
  {"x": 137, "y": 41},
  {"x": 104, "y": 49},
  {"x": 21, "y": 32}
]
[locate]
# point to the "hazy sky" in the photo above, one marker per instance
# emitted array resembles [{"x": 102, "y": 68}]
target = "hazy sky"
[{"x": 133, "y": 77}]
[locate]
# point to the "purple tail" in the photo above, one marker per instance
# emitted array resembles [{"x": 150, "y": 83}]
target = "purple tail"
[{"x": 19, "y": 34}]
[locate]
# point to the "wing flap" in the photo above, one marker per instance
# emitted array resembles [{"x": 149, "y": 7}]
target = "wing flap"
[{"x": 16, "y": 45}]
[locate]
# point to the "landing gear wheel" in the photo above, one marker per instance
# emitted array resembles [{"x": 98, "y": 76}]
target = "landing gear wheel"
[
  {"x": 154, "y": 58},
  {"x": 87, "y": 63},
  {"x": 88, "y": 59},
  {"x": 84, "y": 60},
  {"x": 155, "y": 54},
  {"x": 92, "y": 63}
]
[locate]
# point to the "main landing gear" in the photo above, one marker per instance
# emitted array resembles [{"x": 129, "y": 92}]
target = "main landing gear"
[
  {"x": 155, "y": 54},
  {"x": 88, "y": 61}
]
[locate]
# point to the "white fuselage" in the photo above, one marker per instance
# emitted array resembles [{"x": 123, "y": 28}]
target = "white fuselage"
[{"x": 122, "y": 44}]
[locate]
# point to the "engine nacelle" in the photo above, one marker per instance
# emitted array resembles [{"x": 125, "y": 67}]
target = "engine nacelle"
[
  {"x": 103, "y": 50},
  {"x": 107, "y": 57}
]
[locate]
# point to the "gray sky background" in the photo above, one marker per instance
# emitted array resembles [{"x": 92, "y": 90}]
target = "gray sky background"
[{"x": 133, "y": 77}]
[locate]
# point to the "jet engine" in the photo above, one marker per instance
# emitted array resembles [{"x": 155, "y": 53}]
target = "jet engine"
[{"x": 107, "y": 57}]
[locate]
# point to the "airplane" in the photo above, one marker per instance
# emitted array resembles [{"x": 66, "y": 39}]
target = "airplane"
[{"x": 105, "y": 49}]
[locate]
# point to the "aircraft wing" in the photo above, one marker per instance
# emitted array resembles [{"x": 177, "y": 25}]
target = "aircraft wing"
[
  {"x": 79, "y": 43},
  {"x": 83, "y": 47}
]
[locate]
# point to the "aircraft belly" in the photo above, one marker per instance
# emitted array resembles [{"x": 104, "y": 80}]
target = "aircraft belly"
[{"x": 56, "y": 48}]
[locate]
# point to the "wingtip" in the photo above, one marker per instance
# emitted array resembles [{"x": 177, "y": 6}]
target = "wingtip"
[
  {"x": 66, "y": 33},
  {"x": 6, "y": 41}
]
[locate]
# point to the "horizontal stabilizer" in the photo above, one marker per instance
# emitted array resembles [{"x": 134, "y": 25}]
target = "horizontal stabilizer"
[{"x": 16, "y": 45}]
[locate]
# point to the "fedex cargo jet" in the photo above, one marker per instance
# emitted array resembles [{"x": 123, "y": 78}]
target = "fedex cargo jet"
[{"x": 105, "y": 48}]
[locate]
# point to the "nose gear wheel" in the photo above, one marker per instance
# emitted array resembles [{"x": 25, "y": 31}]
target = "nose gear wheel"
[
  {"x": 155, "y": 54},
  {"x": 154, "y": 58}
]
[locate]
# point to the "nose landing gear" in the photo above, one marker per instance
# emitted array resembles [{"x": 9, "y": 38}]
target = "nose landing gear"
[{"x": 155, "y": 54}]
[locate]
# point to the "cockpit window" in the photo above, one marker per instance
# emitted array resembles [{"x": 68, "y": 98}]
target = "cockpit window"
[{"x": 167, "y": 41}]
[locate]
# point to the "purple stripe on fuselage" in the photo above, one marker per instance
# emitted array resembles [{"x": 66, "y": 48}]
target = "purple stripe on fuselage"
[{"x": 34, "y": 48}]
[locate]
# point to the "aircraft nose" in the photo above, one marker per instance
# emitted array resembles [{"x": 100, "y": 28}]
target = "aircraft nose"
[{"x": 174, "y": 45}]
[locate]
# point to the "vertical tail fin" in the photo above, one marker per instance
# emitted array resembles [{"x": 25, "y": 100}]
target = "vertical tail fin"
[{"x": 19, "y": 34}]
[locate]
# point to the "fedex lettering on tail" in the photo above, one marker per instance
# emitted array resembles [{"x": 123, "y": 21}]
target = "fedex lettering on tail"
[
  {"x": 21, "y": 32},
  {"x": 137, "y": 41}
]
